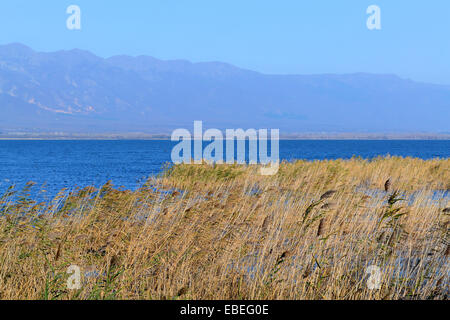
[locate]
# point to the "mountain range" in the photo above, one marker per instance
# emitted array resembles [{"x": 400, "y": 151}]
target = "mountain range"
[{"x": 77, "y": 91}]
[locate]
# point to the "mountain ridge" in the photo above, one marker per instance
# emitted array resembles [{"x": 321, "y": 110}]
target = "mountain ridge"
[{"x": 75, "y": 90}]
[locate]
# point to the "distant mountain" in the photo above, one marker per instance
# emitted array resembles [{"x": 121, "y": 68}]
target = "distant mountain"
[{"x": 78, "y": 91}]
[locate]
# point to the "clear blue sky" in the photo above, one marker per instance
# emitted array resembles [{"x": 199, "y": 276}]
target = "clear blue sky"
[{"x": 286, "y": 36}]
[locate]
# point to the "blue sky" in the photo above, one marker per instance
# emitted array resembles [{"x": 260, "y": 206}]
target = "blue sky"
[{"x": 286, "y": 37}]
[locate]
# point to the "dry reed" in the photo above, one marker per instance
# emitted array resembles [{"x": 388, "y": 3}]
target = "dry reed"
[{"x": 225, "y": 232}]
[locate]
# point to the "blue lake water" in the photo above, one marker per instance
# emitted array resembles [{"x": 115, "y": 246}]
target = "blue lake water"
[{"x": 64, "y": 164}]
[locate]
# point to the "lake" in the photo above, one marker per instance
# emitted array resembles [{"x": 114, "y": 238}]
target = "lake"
[{"x": 65, "y": 164}]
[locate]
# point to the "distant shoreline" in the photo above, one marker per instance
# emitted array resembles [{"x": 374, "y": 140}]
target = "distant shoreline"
[{"x": 159, "y": 137}]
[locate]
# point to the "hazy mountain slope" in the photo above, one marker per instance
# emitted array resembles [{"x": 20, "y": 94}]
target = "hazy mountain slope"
[{"x": 78, "y": 91}]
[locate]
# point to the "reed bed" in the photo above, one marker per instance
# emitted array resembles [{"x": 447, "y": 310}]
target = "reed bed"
[{"x": 315, "y": 230}]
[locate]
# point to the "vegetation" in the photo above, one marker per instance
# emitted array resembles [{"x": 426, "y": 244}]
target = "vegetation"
[{"x": 315, "y": 230}]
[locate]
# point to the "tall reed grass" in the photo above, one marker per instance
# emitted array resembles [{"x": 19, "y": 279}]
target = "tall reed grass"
[{"x": 315, "y": 230}]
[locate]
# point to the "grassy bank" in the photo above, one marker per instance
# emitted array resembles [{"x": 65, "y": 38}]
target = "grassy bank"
[{"x": 312, "y": 231}]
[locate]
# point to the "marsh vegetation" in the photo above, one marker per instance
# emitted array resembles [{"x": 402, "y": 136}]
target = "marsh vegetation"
[{"x": 311, "y": 231}]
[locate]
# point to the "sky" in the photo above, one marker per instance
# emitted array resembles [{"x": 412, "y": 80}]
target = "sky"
[{"x": 276, "y": 37}]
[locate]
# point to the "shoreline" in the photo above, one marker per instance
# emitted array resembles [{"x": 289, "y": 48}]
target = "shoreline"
[{"x": 374, "y": 137}]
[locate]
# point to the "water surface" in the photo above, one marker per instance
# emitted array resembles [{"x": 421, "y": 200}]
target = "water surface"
[{"x": 64, "y": 164}]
